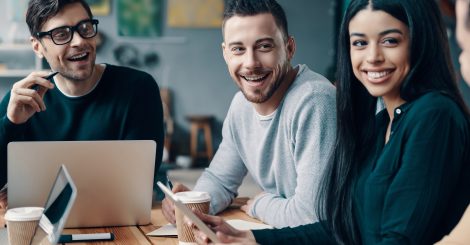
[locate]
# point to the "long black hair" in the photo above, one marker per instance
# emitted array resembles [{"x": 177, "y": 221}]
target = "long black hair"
[{"x": 430, "y": 70}]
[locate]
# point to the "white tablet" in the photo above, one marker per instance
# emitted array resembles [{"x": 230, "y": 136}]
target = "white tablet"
[
  {"x": 61, "y": 198},
  {"x": 188, "y": 213}
]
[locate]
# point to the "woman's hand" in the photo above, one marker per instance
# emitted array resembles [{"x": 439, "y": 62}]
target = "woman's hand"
[{"x": 225, "y": 232}]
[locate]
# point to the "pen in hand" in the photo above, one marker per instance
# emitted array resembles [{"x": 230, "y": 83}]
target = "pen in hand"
[{"x": 48, "y": 77}]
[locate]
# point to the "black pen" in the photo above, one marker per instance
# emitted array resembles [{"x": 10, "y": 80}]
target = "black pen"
[
  {"x": 94, "y": 237},
  {"x": 48, "y": 77}
]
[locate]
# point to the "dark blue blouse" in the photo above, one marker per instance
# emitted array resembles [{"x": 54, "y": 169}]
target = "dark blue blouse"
[{"x": 411, "y": 190}]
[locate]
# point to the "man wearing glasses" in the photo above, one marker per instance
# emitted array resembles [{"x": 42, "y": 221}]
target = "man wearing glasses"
[{"x": 84, "y": 100}]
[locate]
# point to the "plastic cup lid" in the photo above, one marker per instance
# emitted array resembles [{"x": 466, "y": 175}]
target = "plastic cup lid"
[
  {"x": 24, "y": 214},
  {"x": 193, "y": 196}
]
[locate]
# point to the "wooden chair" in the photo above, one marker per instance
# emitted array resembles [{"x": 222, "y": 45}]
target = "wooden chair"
[
  {"x": 198, "y": 123},
  {"x": 165, "y": 94}
]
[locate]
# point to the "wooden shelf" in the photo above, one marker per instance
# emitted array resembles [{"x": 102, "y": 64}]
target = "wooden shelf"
[
  {"x": 15, "y": 72},
  {"x": 15, "y": 47}
]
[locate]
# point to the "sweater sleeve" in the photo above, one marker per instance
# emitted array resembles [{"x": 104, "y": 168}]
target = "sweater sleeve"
[
  {"x": 225, "y": 173},
  {"x": 305, "y": 234},
  {"x": 432, "y": 161},
  {"x": 312, "y": 130}
]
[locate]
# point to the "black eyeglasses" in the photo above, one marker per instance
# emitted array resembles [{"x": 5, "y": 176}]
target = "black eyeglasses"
[{"x": 64, "y": 34}]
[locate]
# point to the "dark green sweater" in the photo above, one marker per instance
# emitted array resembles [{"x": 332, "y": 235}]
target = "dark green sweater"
[
  {"x": 412, "y": 190},
  {"x": 125, "y": 105}
]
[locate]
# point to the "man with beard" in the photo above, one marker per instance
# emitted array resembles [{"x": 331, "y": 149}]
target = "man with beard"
[
  {"x": 280, "y": 128},
  {"x": 84, "y": 100}
]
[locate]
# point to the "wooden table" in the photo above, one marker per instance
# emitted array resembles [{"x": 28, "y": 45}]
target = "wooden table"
[{"x": 136, "y": 234}]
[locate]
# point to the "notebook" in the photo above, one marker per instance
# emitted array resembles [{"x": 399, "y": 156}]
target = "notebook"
[
  {"x": 56, "y": 210},
  {"x": 114, "y": 178}
]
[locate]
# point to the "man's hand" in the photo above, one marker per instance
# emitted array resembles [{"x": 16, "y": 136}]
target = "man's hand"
[
  {"x": 3, "y": 205},
  {"x": 247, "y": 207},
  {"x": 3, "y": 198},
  {"x": 168, "y": 208},
  {"x": 24, "y": 100}
]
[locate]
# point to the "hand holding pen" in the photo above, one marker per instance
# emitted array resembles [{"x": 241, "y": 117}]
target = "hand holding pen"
[
  {"x": 26, "y": 97},
  {"x": 49, "y": 77}
]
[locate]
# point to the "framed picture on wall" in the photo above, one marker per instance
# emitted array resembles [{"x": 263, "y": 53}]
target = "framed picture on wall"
[
  {"x": 100, "y": 7},
  {"x": 139, "y": 18},
  {"x": 195, "y": 13}
]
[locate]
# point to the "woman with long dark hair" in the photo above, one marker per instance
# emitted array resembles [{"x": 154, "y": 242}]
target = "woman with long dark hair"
[
  {"x": 460, "y": 234},
  {"x": 400, "y": 176}
]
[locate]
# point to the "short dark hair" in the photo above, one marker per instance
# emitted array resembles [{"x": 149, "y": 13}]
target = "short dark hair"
[
  {"x": 255, "y": 7},
  {"x": 39, "y": 11}
]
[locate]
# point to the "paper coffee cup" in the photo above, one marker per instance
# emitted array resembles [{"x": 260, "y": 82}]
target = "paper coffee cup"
[
  {"x": 21, "y": 224},
  {"x": 192, "y": 199}
]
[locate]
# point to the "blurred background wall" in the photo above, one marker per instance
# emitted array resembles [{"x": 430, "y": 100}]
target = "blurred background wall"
[{"x": 188, "y": 61}]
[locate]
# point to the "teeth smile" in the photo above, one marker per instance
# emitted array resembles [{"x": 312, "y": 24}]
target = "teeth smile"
[
  {"x": 376, "y": 75},
  {"x": 78, "y": 56},
  {"x": 254, "y": 78}
]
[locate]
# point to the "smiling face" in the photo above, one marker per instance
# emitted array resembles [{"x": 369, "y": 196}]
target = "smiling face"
[
  {"x": 463, "y": 37},
  {"x": 379, "y": 52},
  {"x": 257, "y": 56},
  {"x": 75, "y": 60}
]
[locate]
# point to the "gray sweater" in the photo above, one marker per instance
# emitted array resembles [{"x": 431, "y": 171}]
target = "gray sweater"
[{"x": 285, "y": 152}]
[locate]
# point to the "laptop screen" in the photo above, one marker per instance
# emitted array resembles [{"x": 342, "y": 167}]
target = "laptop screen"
[
  {"x": 56, "y": 210},
  {"x": 130, "y": 164}
]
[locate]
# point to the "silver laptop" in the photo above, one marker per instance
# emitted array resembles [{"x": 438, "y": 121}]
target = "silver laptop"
[
  {"x": 56, "y": 210},
  {"x": 114, "y": 178}
]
